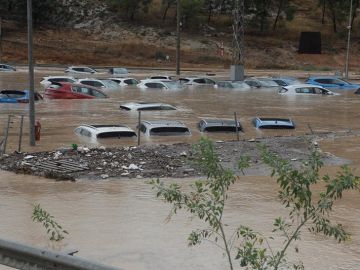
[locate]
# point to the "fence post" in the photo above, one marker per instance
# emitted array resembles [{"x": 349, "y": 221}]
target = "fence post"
[
  {"x": 21, "y": 131},
  {"x": 6, "y": 133},
  {"x": 236, "y": 127},
  {"x": 139, "y": 121}
]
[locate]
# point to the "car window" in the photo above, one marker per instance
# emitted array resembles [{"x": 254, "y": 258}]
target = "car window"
[
  {"x": 142, "y": 128},
  {"x": 209, "y": 81},
  {"x": 183, "y": 80},
  {"x": 117, "y": 81},
  {"x": 131, "y": 81},
  {"x": 97, "y": 84},
  {"x": 280, "y": 82},
  {"x": 201, "y": 81},
  {"x": 324, "y": 81},
  {"x": 158, "y": 77},
  {"x": 97, "y": 94},
  {"x": 82, "y": 90},
  {"x": 154, "y": 85},
  {"x": 305, "y": 90}
]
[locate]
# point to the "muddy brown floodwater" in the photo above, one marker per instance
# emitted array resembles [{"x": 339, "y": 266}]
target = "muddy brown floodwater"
[{"x": 120, "y": 223}]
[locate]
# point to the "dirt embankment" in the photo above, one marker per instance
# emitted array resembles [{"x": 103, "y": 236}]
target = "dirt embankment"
[{"x": 156, "y": 161}]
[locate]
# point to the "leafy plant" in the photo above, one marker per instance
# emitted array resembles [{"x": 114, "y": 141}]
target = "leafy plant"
[
  {"x": 74, "y": 146},
  {"x": 206, "y": 200},
  {"x": 53, "y": 229}
]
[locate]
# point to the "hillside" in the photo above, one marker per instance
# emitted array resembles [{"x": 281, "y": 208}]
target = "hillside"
[{"x": 106, "y": 40}]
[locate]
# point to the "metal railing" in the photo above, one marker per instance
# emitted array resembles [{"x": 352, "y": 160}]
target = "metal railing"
[{"x": 25, "y": 257}]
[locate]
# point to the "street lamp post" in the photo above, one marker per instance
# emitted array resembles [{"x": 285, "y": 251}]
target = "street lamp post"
[
  {"x": 348, "y": 43},
  {"x": 178, "y": 7},
  {"x": 31, "y": 74}
]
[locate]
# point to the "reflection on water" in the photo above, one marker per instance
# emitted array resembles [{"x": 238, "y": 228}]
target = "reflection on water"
[{"x": 120, "y": 223}]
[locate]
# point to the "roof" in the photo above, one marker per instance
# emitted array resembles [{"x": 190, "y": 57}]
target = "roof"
[
  {"x": 294, "y": 86},
  {"x": 164, "y": 123},
  {"x": 273, "y": 122},
  {"x": 98, "y": 129},
  {"x": 146, "y": 105},
  {"x": 219, "y": 122}
]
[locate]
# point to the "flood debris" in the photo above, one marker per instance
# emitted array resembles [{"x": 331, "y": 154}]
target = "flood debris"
[{"x": 155, "y": 161}]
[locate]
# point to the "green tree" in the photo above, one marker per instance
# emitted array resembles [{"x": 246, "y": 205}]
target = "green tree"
[
  {"x": 191, "y": 11},
  {"x": 207, "y": 199}
]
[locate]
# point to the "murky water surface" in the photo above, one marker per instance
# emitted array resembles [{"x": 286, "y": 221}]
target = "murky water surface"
[{"x": 120, "y": 223}]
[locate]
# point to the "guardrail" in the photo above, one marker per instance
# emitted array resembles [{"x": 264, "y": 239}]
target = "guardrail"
[{"x": 25, "y": 257}]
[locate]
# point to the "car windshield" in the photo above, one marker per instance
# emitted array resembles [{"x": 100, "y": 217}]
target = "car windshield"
[
  {"x": 110, "y": 83},
  {"x": 268, "y": 82},
  {"x": 170, "y": 131},
  {"x": 173, "y": 85},
  {"x": 239, "y": 85}
]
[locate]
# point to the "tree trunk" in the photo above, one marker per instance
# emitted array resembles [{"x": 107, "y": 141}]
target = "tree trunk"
[
  {"x": 210, "y": 8},
  {"x": 281, "y": 3},
  {"x": 323, "y": 12},
  {"x": 166, "y": 10},
  {"x": 333, "y": 15}
]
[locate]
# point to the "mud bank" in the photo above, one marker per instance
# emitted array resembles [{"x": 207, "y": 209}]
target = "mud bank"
[{"x": 157, "y": 161}]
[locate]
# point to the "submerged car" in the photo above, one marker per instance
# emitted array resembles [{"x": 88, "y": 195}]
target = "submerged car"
[
  {"x": 236, "y": 85},
  {"x": 304, "y": 89},
  {"x": 219, "y": 125},
  {"x": 273, "y": 123},
  {"x": 159, "y": 84},
  {"x": 332, "y": 82},
  {"x": 119, "y": 71},
  {"x": 5, "y": 67},
  {"x": 99, "y": 83},
  {"x": 197, "y": 81},
  {"x": 125, "y": 81},
  {"x": 161, "y": 77},
  {"x": 63, "y": 90},
  {"x": 146, "y": 106},
  {"x": 261, "y": 82},
  {"x": 17, "y": 96},
  {"x": 286, "y": 80},
  {"x": 164, "y": 128},
  {"x": 46, "y": 81},
  {"x": 80, "y": 69},
  {"x": 105, "y": 131}
]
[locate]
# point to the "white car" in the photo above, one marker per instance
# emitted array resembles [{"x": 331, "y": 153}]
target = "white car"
[
  {"x": 146, "y": 106},
  {"x": 197, "y": 81},
  {"x": 161, "y": 77},
  {"x": 164, "y": 128},
  {"x": 261, "y": 82},
  {"x": 159, "y": 84},
  {"x": 105, "y": 131},
  {"x": 47, "y": 81},
  {"x": 125, "y": 81},
  {"x": 305, "y": 89},
  {"x": 5, "y": 67},
  {"x": 235, "y": 85},
  {"x": 99, "y": 83},
  {"x": 80, "y": 69}
]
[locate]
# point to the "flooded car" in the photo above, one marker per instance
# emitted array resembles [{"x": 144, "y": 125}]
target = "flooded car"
[
  {"x": 197, "y": 81},
  {"x": 235, "y": 85},
  {"x": 161, "y": 77},
  {"x": 99, "y": 83},
  {"x": 285, "y": 80},
  {"x": 125, "y": 81},
  {"x": 305, "y": 89},
  {"x": 119, "y": 71},
  {"x": 146, "y": 106},
  {"x": 164, "y": 128},
  {"x": 273, "y": 123},
  {"x": 17, "y": 96},
  {"x": 219, "y": 125},
  {"x": 159, "y": 84},
  {"x": 46, "y": 81},
  {"x": 80, "y": 70},
  {"x": 261, "y": 82},
  {"x": 5, "y": 67},
  {"x": 105, "y": 131},
  {"x": 332, "y": 82},
  {"x": 72, "y": 91}
]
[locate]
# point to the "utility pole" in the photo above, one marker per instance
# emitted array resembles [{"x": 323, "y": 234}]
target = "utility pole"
[
  {"x": 237, "y": 67},
  {"x": 178, "y": 15},
  {"x": 348, "y": 43},
  {"x": 31, "y": 74},
  {"x": 0, "y": 39}
]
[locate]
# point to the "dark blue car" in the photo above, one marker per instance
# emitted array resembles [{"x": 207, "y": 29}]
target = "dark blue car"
[{"x": 333, "y": 82}]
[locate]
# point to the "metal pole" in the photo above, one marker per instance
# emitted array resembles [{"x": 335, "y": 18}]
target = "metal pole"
[
  {"x": 139, "y": 121},
  {"x": 6, "y": 133},
  {"x": 0, "y": 39},
  {"x": 178, "y": 11},
  {"x": 21, "y": 131},
  {"x": 348, "y": 44},
  {"x": 236, "y": 127},
  {"x": 31, "y": 74}
]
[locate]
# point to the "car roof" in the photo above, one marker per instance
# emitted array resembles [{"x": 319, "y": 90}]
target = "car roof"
[
  {"x": 325, "y": 77},
  {"x": 294, "y": 86},
  {"x": 219, "y": 122},
  {"x": 97, "y": 128},
  {"x": 139, "y": 105},
  {"x": 164, "y": 123}
]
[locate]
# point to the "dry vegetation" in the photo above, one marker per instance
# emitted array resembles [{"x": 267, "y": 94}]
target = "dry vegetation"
[{"x": 267, "y": 50}]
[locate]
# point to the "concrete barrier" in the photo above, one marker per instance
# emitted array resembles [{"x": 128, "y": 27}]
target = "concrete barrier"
[{"x": 25, "y": 257}]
